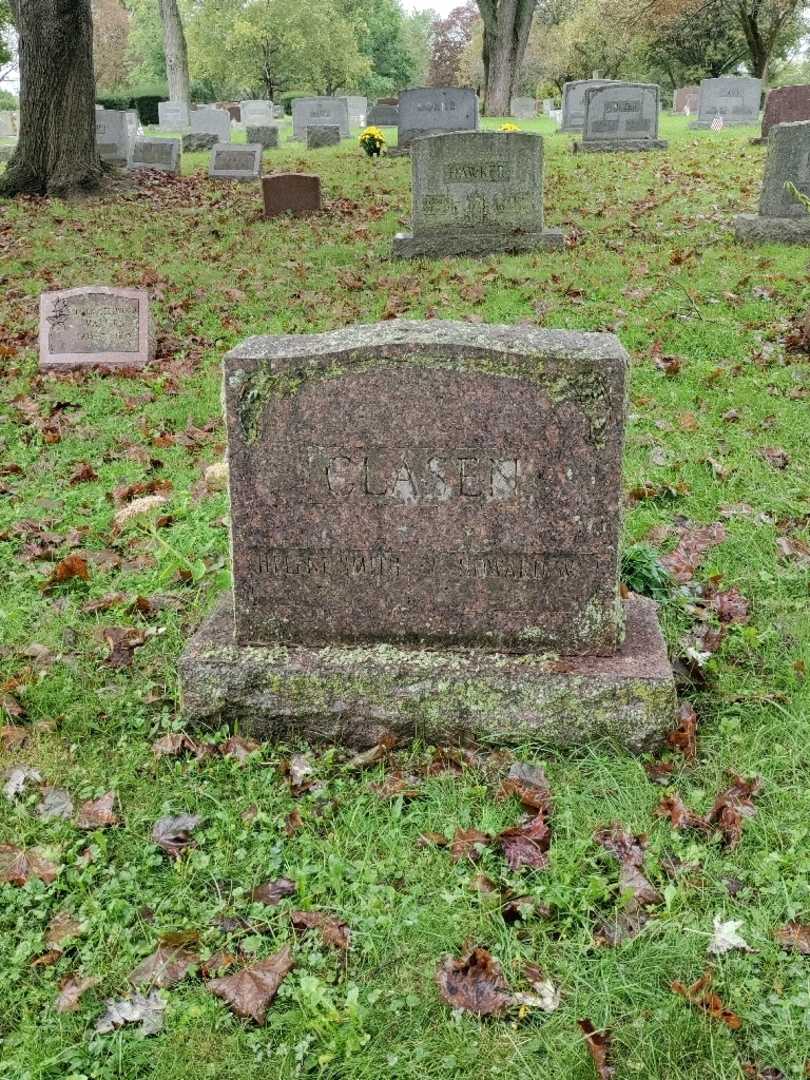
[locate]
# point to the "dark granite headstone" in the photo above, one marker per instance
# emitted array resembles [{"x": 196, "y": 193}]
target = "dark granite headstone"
[
  {"x": 291, "y": 193},
  {"x": 786, "y": 105},
  {"x": 95, "y": 326},
  {"x": 382, "y": 115},
  {"x": 266, "y": 136},
  {"x": 686, "y": 97},
  {"x": 782, "y": 217},
  {"x": 319, "y": 135},
  {"x": 412, "y": 503}
]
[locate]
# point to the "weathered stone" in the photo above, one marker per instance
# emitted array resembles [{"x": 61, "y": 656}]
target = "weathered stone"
[
  {"x": 621, "y": 116},
  {"x": 153, "y": 153},
  {"x": 686, "y": 97},
  {"x": 523, "y": 108},
  {"x": 194, "y": 142},
  {"x": 173, "y": 115},
  {"x": 256, "y": 113},
  {"x": 291, "y": 193},
  {"x": 357, "y": 695},
  {"x": 320, "y": 135},
  {"x": 211, "y": 121},
  {"x": 232, "y": 108},
  {"x": 9, "y": 124},
  {"x": 785, "y": 105},
  {"x": 782, "y": 218},
  {"x": 427, "y": 482},
  {"x": 358, "y": 109},
  {"x": 734, "y": 98},
  {"x": 431, "y": 111},
  {"x": 384, "y": 115},
  {"x": 234, "y": 161},
  {"x": 113, "y": 136},
  {"x": 95, "y": 326},
  {"x": 309, "y": 112},
  {"x": 7, "y": 151},
  {"x": 573, "y": 103},
  {"x": 477, "y": 192},
  {"x": 265, "y": 136}
]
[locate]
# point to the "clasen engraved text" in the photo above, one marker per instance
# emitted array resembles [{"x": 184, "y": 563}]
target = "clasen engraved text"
[{"x": 419, "y": 477}]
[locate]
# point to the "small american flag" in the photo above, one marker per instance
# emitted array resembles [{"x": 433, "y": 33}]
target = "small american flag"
[{"x": 717, "y": 123}]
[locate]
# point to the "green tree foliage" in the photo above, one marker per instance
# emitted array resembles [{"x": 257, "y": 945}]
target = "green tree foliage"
[
  {"x": 145, "y": 56},
  {"x": 380, "y": 28}
]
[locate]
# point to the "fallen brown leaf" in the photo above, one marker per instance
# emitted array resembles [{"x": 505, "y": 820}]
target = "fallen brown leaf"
[
  {"x": 526, "y": 844},
  {"x": 74, "y": 566},
  {"x": 698, "y": 994},
  {"x": 173, "y": 834},
  {"x": 167, "y": 966},
  {"x": 61, "y": 928},
  {"x": 71, "y": 989},
  {"x": 238, "y": 747},
  {"x": 17, "y": 866},
  {"x": 250, "y": 991},
  {"x": 473, "y": 983},
  {"x": 123, "y": 640},
  {"x": 599, "y": 1047},
  {"x": 794, "y": 936},
  {"x": 333, "y": 931},
  {"x": 695, "y": 541},
  {"x": 273, "y": 892},
  {"x": 680, "y": 815},
  {"x": 530, "y": 785},
  {"x": 683, "y": 737},
  {"x": 98, "y": 813},
  {"x": 374, "y": 754},
  {"x": 467, "y": 844},
  {"x": 732, "y": 806}
]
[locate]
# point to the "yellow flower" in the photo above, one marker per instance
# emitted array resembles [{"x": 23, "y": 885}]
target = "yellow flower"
[
  {"x": 508, "y": 127},
  {"x": 372, "y": 133}
]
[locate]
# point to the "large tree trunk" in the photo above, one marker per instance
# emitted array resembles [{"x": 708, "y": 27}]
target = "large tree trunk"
[
  {"x": 174, "y": 44},
  {"x": 506, "y": 32},
  {"x": 56, "y": 152}
]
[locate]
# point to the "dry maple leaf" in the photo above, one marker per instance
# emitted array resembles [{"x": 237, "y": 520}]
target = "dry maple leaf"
[
  {"x": 299, "y": 771},
  {"x": 12, "y": 736},
  {"x": 730, "y": 606},
  {"x": 599, "y": 1047},
  {"x": 146, "y": 1010},
  {"x": 474, "y": 983},
  {"x": 273, "y": 892},
  {"x": 250, "y": 991},
  {"x": 56, "y": 803},
  {"x": 71, "y": 989},
  {"x": 526, "y": 844},
  {"x": 173, "y": 744},
  {"x": 173, "y": 834},
  {"x": 629, "y": 850},
  {"x": 238, "y": 747},
  {"x": 698, "y": 994},
  {"x": 373, "y": 755},
  {"x": 17, "y": 866},
  {"x": 166, "y": 967},
  {"x": 333, "y": 931},
  {"x": 683, "y": 737},
  {"x": 794, "y": 936},
  {"x": 680, "y": 815},
  {"x": 732, "y": 806},
  {"x": 123, "y": 640},
  {"x": 396, "y": 785},
  {"x": 695, "y": 541},
  {"x": 16, "y": 780},
  {"x": 74, "y": 566},
  {"x": 98, "y": 813},
  {"x": 530, "y": 785},
  {"x": 61, "y": 928},
  {"x": 83, "y": 472},
  {"x": 775, "y": 456},
  {"x": 468, "y": 844}
]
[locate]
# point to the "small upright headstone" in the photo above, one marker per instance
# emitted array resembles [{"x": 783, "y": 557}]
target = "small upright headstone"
[
  {"x": 383, "y": 115},
  {"x": 686, "y": 98},
  {"x": 112, "y": 136},
  {"x": 7, "y": 152},
  {"x": 196, "y": 141},
  {"x": 211, "y": 121},
  {"x": 9, "y": 124},
  {"x": 232, "y": 161},
  {"x": 432, "y": 110},
  {"x": 735, "y": 99},
  {"x": 319, "y": 135},
  {"x": 153, "y": 153},
  {"x": 523, "y": 108},
  {"x": 573, "y": 103},
  {"x": 621, "y": 116},
  {"x": 278, "y": 112},
  {"x": 782, "y": 218},
  {"x": 257, "y": 113},
  {"x": 291, "y": 193},
  {"x": 422, "y": 512},
  {"x": 548, "y": 105},
  {"x": 173, "y": 115},
  {"x": 358, "y": 110},
  {"x": 265, "y": 136},
  {"x": 476, "y": 192},
  {"x": 785, "y": 105},
  {"x": 95, "y": 326},
  {"x": 312, "y": 111}
]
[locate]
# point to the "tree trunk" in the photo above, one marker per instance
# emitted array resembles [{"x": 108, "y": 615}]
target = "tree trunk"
[
  {"x": 174, "y": 45},
  {"x": 56, "y": 151},
  {"x": 506, "y": 33}
]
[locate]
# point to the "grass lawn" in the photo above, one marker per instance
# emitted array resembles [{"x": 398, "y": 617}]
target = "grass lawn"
[{"x": 653, "y": 259}]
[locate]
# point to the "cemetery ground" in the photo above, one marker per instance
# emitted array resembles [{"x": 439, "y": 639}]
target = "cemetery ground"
[{"x": 99, "y": 599}]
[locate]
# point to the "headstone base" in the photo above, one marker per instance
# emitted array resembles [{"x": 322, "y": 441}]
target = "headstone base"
[
  {"x": 761, "y": 140},
  {"x": 195, "y": 141},
  {"x": 704, "y": 125},
  {"x": 354, "y": 695},
  {"x": 612, "y": 146},
  {"x": 434, "y": 246},
  {"x": 756, "y": 229},
  {"x": 266, "y": 136}
]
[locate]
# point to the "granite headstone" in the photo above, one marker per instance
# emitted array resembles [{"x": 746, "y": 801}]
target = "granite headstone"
[
  {"x": 211, "y": 121},
  {"x": 686, "y": 97},
  {"x": 732, "y": 97},
  {"x": 154, "y": 153},
  {"x": 315, "y": 111},
  {"x": 782, "y": 218},
  {"x": 257, "y": 113},
  {"x": 173, "y": 115},
  {"x": 291, "y": 193},
  {"x": 266, "y": 136},
  {"x": 523, "y": 108},
  {"x": 430, "y": 111},
  {"x": 113, "y": 136},
  {"x": 785, "y": 105},
  {"x": 9, "y": 124},
  {"x": 95, "y": 326},
  {"x": 358, "y": 110},
  {"x": 383, "y": 115},
  {"x": 621, "y": 116},
  {"x": 573, "y": 103},
  {"x": 320, "y": 135},
  {"x": 236, "y": 161}
]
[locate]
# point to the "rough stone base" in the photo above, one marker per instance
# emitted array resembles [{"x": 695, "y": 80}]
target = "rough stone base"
[
  {"x": 761, "y": 140},
  {"x": 436, "y": 246},
  {"x": 196, "y": 141},
  {"x": 265, "y": 135},
  {"x": 704, "y": 125},
  {"x": 755, "y": 229},
  {"x": 399, "y": 151},
  {"x": 355, "y": 695},
  {"x": 612, "y": 146}
]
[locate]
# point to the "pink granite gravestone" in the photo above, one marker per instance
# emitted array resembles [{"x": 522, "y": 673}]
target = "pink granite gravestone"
[{"x": 95, "y": 326}]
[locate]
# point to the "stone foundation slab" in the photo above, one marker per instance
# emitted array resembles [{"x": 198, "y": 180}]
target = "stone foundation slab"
[
  {"x": 756, "y": 229},
  {"x": 613, "y": 146},
  {"x": 408, "y": 246}
]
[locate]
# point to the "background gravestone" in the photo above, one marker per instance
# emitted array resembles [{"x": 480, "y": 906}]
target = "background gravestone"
[
  {"x": 428, "y": 484},
  {"x": 95, "y": 326},
  {"x": 383, "y": 115},
  {"x": 523, "y": 108},
  {"x": 9, "y": 124},
  {"x": 153, "y": 153},
  {"x": 294, "y": 193},
  {"x": 734, "y": 98},
  {"x": 785, "y": 105},
  {"x": 113, "y": 136},
  {"x": 621, "y": 116},
  {"x": 319, "y": 135},
  {"x": 686, "y": 96},
  {"x": 234, "y": 161},
  {"x": 429, "y": 111},
  {"x": 266, "y": 137},
  {"x": 573, "y": 103},
  {"x": 211, "y": 121},
  {"x": 318, "y": 111},
  {"x": 782, "y": 218},
  {"x": 476, "y": 192},
  {"x": 358, "y": 109},
  {"x": 256, "y": 113},
  {"x": 173, "y": 115}
]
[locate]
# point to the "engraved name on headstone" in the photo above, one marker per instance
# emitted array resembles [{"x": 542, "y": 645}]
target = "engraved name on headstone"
[{"x": 95, "y": 326}]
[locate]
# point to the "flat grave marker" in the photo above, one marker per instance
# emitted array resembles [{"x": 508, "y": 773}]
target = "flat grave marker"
[
  {"x": 95, "y": 326},
  {"x": 149, "y": 152},
  {"x": 291, "y": 193},
  {"x": 235, "y": 161}
]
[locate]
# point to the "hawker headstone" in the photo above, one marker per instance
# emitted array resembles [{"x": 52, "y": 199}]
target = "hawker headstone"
[
  {"x": 291, "y": 193},
  {"x": 782, "y": 217},
  {"x": 735, "y": 99},
  {"x": 320, "y": 135},
  {"x": 95, "y": 326},
  {"x": 476, "y": 192},
  {"x": 358, "y": 110},
  {"x": 173, "y": 115},
  {"x": 430, "y": 111},
  {"x": 318, "y": 111},
  {"x": 523, "y": 108},
  {"x": 257, "y": 113},
  {"x": 153, "y": 153},
  {"x": 621, "y": 116},
  {"x": 425, "y": 524},
  {"x": 112, "y": 136},
  {"x": 382, "y": 115},
  {"x": 234, "y": 161},
  {"x": 686, "y": 97},
  {"x": 266, "y": 136},
  {"x": 573, "y": 103},
  {"x": 785, "y": 105},
  {"x": 211, "y": 121}
]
